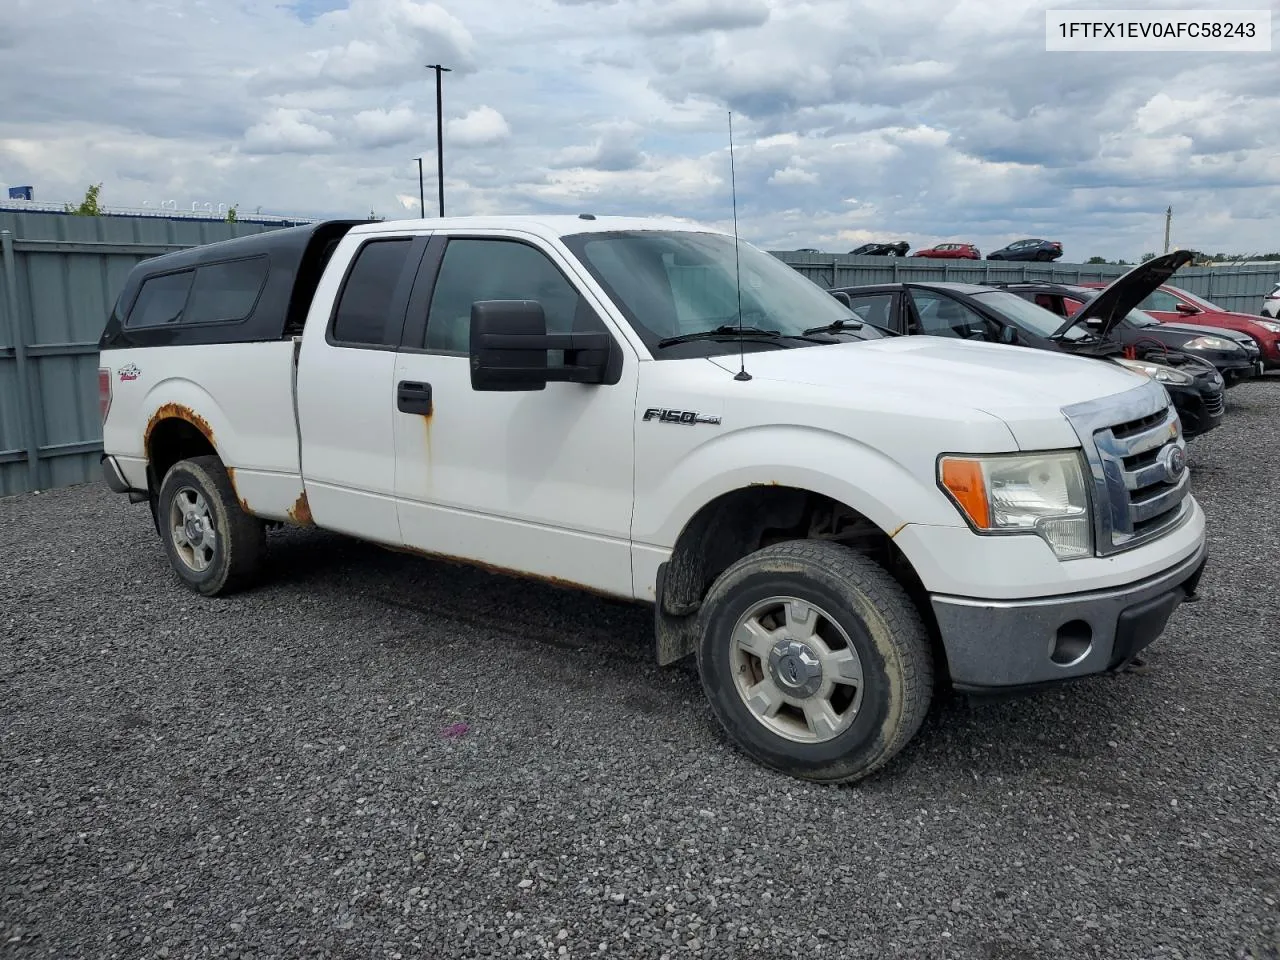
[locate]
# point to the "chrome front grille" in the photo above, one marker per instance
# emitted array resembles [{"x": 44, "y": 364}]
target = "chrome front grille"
[{"x": 1137, "y": 456}]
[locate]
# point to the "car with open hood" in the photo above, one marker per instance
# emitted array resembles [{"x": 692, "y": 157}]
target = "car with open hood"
[
  {"x": 1235, "y": 355},
  {"x": 897, "y": 249},
  {"x": 1170, "y": 304},
  {"x": 971, "y": 311}
]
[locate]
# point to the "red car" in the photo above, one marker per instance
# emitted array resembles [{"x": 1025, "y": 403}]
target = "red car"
[
  {"x": 1173, "y": 304},
  {"x": 950, "y": 251}
]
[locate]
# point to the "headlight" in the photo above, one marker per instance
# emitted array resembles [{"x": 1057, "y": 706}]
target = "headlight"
[
  {"x": 1211, "y": 343},
  {"x": 1268, "y": 325},
  {"x": 1040, "y": 493},
  {"x": 1157, "y": 371}
]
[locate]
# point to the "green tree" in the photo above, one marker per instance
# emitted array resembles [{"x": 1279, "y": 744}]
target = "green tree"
[
  {"x": 1146, "y": 257},
  {"x": 1096, "y": 260},
  {"x": 89, "y": 206},
  {"x": 231, "y": 214}
]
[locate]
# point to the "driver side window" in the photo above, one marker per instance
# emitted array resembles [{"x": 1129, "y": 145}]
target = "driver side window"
[
  {"x": 940, "y": 316},
  {"x": 496, "y": 269}
]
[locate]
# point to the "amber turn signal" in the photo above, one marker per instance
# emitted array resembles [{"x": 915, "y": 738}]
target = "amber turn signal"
[{"x": 965, "y": 481}]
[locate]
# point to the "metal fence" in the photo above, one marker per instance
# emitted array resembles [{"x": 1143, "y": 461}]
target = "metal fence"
[
  {"x": 1239, "y": 288},
  {"x": 59, "y": 277}
]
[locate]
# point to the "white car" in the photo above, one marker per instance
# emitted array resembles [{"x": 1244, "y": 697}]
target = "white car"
[
  {"x": 1271, "y": 303},
  {"x": 833, "y": 520}
]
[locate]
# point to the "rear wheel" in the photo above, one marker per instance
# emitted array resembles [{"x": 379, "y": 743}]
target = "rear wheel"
[
  {"x": 213, "y": 545},
  {"x": 815, "y": 661}
]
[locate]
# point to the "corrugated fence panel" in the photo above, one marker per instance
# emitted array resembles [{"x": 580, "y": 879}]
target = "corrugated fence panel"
[
  {"x": 1231, "y": 288},
  {"x": 66, "y": 275}
]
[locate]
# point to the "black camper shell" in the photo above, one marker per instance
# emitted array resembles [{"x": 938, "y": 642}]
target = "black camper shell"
[{"x": 244, "y": 290}]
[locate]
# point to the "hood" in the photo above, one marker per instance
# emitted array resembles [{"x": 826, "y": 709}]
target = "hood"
[
  {"x": 1195, "y": 329},
  {"x": 1025, "y": 388},
  {"x": 1125, "y": 293}
]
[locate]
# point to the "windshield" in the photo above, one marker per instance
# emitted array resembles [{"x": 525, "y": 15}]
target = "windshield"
[
  {"x": 669, "y": 283},
  {"x": 1021, "y": 312}
]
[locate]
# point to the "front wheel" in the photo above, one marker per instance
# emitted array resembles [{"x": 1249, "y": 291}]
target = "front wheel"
[
  {"x": 212, "y": 544},
  {"x": 815, "y": 660}
]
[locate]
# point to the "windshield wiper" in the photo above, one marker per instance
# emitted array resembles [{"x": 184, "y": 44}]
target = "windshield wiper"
[
  {"x": 724, "y": 330},
  {"x": 837, "y": 326}
]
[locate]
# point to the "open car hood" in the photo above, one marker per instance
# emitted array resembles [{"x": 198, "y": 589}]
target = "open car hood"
[{"x": 1125, "y": 293}]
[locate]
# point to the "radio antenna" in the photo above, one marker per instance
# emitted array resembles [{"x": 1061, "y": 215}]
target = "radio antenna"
[{"x": 737, "y": 269}]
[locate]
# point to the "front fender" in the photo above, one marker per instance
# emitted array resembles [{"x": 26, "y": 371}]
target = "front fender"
[{"x": 807, "y": 458}]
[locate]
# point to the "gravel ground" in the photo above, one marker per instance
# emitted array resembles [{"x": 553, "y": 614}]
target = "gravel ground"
[{"x": 279, "y": 774}]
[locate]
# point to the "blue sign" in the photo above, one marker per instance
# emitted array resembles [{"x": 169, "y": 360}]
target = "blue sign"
[{"x": 22, "y": 193}]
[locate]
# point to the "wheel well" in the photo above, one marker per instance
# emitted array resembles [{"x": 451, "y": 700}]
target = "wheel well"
[
  {"x": 742, "y": 521},
  {"x": 171, "y": 440}
]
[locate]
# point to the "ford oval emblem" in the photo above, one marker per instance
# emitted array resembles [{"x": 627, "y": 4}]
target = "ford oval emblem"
[{"x": 1174, "y": 461}]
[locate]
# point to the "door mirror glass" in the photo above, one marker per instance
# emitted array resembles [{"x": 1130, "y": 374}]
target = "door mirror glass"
[
  {"x": 1008, "y": 335},
  {"x": 842, "y": 297}
]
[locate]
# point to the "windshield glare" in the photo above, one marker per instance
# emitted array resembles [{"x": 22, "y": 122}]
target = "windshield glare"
[
  {"x": 669, "y": 283},
  {"x": 1022, "y": 312}
]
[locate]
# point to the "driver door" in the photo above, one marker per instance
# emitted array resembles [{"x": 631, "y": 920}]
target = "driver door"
[{"x": 533, "y": 481}]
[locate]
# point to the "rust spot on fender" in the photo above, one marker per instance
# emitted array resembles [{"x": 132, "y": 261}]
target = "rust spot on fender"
[
  {"x": 178, "y": 411},
  {"x": 300, "y": 512},
  {"x": 901, "y": 527},
  {"x": 244, "y": 504}
]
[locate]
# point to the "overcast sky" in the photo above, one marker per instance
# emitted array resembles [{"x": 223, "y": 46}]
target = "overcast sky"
[{"x": 923, "y": 120}]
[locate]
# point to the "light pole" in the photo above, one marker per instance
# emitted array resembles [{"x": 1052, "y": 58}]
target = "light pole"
[
  {"x": 422, "y": 197},
  {"x": 439, "y": 131}
]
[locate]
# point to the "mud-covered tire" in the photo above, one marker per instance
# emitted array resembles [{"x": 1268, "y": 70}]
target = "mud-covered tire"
[
  {"x": 877, "y": 619},
  {"x": 228, "y": 561}
]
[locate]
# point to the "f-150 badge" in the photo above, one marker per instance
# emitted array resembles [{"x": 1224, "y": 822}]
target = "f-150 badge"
[{"x": 687, "y": 417}]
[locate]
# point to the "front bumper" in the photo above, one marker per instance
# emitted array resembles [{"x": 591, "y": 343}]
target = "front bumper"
[
  {"x": 1200, "y": 406},
  {"x": 996, "y": 645}
]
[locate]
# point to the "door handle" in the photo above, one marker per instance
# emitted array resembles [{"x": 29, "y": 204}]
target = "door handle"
[{"x": 413, "y": 397}]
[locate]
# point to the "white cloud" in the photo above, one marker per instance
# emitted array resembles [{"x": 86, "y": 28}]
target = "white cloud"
[
  {"x": 665, "y": 17},
  {"x": 481, "y": 127},
  {"x": 288, "y": 131},
  {"x": 793, "y": 175},
  {"x": 384, "y": 128}
]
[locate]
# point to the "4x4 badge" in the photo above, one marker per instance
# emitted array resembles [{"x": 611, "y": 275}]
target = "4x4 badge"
[
  {"x": 130, "y": 371},
  {"x": 688, "y": 417}
]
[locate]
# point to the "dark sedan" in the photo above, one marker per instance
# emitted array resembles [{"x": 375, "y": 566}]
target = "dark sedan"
[
  {"x": 1236, "y": 355},
  {"x": 1028, "y": 250},
  {"x": 898, "y": 249},
  {"x": 973, "y": 311}
]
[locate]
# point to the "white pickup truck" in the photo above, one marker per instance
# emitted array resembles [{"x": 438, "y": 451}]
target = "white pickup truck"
[{"x": 834, "y": 520}]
